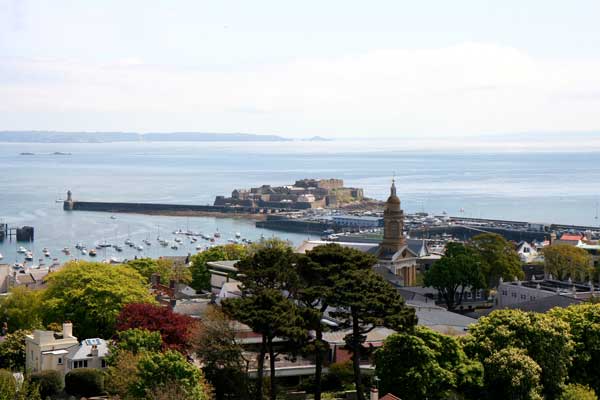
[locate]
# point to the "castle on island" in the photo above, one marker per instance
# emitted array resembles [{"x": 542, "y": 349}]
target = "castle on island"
[{"x": 303, "y": 194}]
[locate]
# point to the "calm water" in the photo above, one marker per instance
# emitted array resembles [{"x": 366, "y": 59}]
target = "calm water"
[{"x": 540, "y": 187}]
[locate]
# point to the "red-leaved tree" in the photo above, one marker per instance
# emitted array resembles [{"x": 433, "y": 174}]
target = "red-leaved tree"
[{"x": 175, "y": 329}]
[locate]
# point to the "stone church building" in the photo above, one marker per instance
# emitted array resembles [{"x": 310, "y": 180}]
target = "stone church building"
[{"x": 395, "y": 253}]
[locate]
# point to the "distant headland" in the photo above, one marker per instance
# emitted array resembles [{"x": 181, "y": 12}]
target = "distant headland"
[{"x": 108, "y": 137}]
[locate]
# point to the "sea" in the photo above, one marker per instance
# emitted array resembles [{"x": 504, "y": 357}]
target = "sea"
[{"x": 553, "y": 185}]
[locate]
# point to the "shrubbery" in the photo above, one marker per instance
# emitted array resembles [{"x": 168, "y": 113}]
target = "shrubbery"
[
  {"x": 85, "y": 382},
  {"x": 50, "y": 382}
]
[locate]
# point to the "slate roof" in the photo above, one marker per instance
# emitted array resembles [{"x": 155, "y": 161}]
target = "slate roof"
[
  {"x": 84, "y": 349},
  {"x": 195, "y": 308}
]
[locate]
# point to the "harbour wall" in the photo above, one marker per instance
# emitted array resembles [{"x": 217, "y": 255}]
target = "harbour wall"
[
  {"x": 465, "y": 232},
  {"x": 155, "y": 208}
]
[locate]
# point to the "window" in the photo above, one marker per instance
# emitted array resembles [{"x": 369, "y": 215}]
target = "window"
[
  {"x": 103, "y": 363},
  {"x": 60, "y": 361},
  {"x": 80, "y": 364},
  {"x": 504, "y": 292},
  {"x": 523, "y": 297},
  {"x": 514, "y": 294}
]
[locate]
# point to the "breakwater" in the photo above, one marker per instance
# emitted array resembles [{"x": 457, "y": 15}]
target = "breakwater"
[
  {"x": 466, "y": 232},
  {"x": 156, "y": 208}
]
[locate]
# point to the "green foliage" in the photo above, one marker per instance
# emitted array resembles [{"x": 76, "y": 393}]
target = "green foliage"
[
  {"x": 28, "y": 391},
  {"x": 49, "y": 382},
  {"x": 21, "y": 309},
  {"x": 565, "y": 261},
  {"x": 84, "y": 382},
  {"x": 199, "y": 268},
  {"x": 12, "y": 351},
  {"x": 121, "y": 375},
  {"x": 498, "y": 256},
  {"x": 157, "y": 371},
  {"x": 584, "y": 323},
  {"x": 577, "y": 392},
  {"x": 458, "y": 270},
  {"x": 426, "y": 365},
  {"x": 91, "y": 295},
  {"x": 511, "y": 374},
  {"x": 135, "y": 341},
  {"x": 543, "y": 338},
  {"x": 8, "y": 385}
]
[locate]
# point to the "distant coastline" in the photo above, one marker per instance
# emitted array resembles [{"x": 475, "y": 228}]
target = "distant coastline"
[{"x": 108, "y": 137}]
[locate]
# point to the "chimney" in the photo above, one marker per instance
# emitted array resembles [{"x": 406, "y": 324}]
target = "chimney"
[
  {"x": 67, "y": 330},
  {"x": 374, "y": 394},
  {"x": 94, "y": 351}
]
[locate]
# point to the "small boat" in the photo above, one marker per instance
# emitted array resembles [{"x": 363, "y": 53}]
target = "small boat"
[
  {"x": 128, "y": 242},
  {"x": 115, "y": 260},
  {"x": 212, "y": 240},
  {"x": 22, "y": 250},
  {"x": 29, "y": 256},
  {"x": 103, "y": 244},
  {"x": 113, "y": 217},
  {"x": 193, "y": 240},
  {"x": 217, "y": 234},
  {"x": 92, "y": 253},
  {"x": 84, "y": 251},
  {"x": 238, "y": 235},
  {"x": 118, "y": 248},
  {"x": 174, "y": 246},
  {"x": 47, "y": 253},
  {"x": 66, "y": 250},
  {"x": 79, "y": 246},
  {"x": 147, "y": 242},
  {"x": 178, "y": 240},
  {"x": 139, "y": 248},
  {"x": 164, "y": 243}
]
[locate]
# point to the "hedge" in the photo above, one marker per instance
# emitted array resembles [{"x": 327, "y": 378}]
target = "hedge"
[
  {"x": 50, "y": 382},
  {"x": 85, "y": 382}
]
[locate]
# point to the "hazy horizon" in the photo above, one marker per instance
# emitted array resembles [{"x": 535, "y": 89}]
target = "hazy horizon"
[{"x": 341, "y": 69}]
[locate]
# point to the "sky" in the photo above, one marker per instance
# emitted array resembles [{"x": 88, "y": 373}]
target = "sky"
[{"x": 351, "y": 69}]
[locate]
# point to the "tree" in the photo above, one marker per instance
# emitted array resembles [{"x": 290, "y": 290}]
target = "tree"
[
  {"x": 458, "y": 270},
  {"x": 425, "y": 364},
  {"x": 199, "y": 267},
  {"x": 157, "y": 371},
  {"x": 318, "y": 273},
  {"x": 544, "y": 338},
  {"x": 365, "y": 301},
  {"x": 121, "y": 374},
  {"x": 12, "y": 351},
  {"x": 223, "y": 363},
  {"x": 271, "y": 314},
  {"x": 511, "y": 374},
  {"x": 21, "y": 309},
  {"x": 137, "y": 340},
  {"x": 176, "y": 330},
  {"x": 499, "y": 258},
  {"x": 91, "y": 295},
  {"x": 50, "y": 382},
  {"x": 584, "y": 323},
  {"x": 565, "y": 261},
  {"x": 577, "y": 392}
]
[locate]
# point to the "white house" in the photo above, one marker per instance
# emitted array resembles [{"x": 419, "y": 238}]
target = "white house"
[
  {"x": 526, "y": 252},
  {"x": 62, "y": 352}
]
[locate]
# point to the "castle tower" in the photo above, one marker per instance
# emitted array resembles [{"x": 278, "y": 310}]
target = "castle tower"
[{"x": 393, "y": 224}]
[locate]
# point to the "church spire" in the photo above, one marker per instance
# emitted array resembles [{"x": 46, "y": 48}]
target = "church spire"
[{"x": 393, "y": 188}]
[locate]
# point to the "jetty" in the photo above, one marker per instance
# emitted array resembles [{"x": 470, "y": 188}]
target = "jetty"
[{"x": 170, "y": 209}]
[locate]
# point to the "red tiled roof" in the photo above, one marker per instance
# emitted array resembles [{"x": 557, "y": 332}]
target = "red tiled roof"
[
  {"x": 567, "y": 236},
  {"x": 389, "y": 396}
]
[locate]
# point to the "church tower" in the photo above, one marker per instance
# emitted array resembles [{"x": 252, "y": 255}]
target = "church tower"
[{"x": 393, "y": 220}]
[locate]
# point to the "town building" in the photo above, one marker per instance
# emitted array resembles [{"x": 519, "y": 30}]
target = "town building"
[
  {"x": 394, "y": 253},
  {"x": 62, "y": 352}
]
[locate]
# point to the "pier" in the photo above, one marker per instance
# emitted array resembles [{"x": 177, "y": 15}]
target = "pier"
[{"x": 22, "y": 234}]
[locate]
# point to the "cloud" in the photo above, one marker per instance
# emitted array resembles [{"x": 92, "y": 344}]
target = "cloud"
[{"x": 467, "y": 88}]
